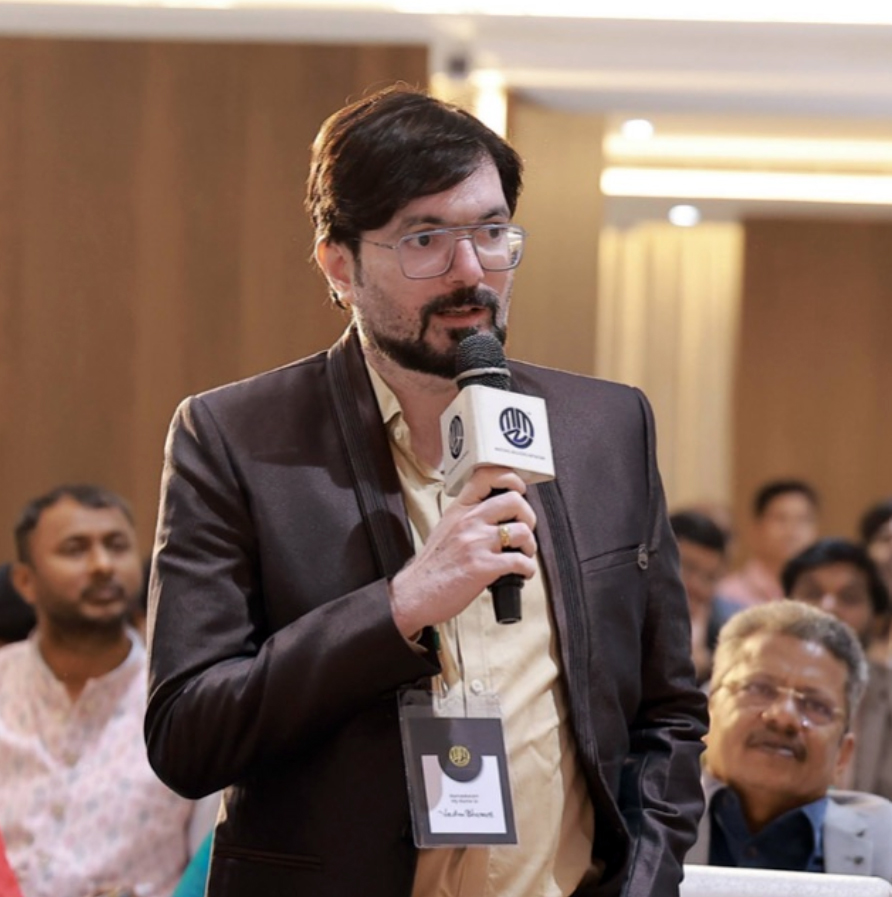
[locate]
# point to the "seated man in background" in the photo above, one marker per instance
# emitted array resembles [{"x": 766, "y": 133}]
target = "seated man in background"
[
  {"x": 785, "y": 520},
  {"x": 702, "y": 558},
  {"x": 81, "y": 811},
  {"x": 839, "y": 577},
  {"x": 786, "y": 683}
]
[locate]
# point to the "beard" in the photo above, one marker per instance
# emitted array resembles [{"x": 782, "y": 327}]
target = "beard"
[{"x": 414, "y": 354}]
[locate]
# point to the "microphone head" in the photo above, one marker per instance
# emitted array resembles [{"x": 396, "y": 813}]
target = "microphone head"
[{"x": 480, "y": 359}]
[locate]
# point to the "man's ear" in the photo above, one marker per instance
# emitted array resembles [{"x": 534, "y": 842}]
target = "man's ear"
[
  {"x": 339, "y": 266},
  {"x": 22, "y": 577}
]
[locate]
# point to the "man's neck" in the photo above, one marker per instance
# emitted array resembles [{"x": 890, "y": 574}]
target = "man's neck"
[
  {"x": 76, "y": 660},
  {"x": 423, "y": 398}
]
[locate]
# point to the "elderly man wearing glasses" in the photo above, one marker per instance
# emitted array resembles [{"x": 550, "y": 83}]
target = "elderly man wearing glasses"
[{"x": 786, "y": 683}]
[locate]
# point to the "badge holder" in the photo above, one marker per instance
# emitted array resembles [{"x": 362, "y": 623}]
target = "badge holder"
[{"x": 457, "y": 769}]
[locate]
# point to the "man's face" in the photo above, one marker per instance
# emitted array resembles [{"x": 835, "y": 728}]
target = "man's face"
[
  {"x": 84, "y": 571},
  {"x": 418, "y": 323},
  {"x": 772, "y": 756},
  {"x": 788, "y": 524},
  {"x": 840, "y": 589},
  {"x": 701, "y": 569}
]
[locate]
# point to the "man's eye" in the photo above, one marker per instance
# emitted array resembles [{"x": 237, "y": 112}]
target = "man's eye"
[
  {"x": 419, "y": 241},
  {"x": 492, "y": 234},
  {"x": 817, "y": 709},
  {"x": 760, "y": 690}
]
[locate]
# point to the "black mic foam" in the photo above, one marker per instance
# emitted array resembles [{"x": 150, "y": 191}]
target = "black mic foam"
[{"x": 480, "y": 360}]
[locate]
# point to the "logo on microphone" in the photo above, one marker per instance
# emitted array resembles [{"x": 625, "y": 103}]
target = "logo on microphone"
[
  {"x": 516, "y": 427},
  {"x": 456, "y": 436}
]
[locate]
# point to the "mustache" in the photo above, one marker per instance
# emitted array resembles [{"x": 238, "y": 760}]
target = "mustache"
[
  {"x": 463, "y": 297},
  {"x": 778, "y": 741},
  {"x": 95, "y": 589}
]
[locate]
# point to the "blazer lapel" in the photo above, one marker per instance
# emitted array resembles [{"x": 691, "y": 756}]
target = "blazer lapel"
[{"x": 364, "y": 438}]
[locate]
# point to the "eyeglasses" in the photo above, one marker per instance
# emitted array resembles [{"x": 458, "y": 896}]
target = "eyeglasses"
[
  {"x": 760, "y": 694},
  {"x": 430, "y": 253}
]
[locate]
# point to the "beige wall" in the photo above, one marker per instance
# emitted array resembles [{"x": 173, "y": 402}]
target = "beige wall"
[{"x": 152, "y": 241}]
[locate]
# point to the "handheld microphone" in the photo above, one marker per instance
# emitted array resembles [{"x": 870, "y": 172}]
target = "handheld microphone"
[{"x": 488, "y": 424}]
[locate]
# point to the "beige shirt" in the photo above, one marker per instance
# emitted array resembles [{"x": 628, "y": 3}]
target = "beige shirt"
[{"x": 519, "y": 663}]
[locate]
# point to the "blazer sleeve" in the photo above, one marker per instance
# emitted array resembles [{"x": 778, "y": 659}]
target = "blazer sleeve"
[
  {"x": 227, "y": 691},
  {"x": 661, "y": 796}
]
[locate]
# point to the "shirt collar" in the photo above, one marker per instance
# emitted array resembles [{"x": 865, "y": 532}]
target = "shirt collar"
[{"x": 397, "y": 429}]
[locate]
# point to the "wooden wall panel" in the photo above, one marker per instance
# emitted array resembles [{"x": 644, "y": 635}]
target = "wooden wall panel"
[
  {"x": 814, "y": 386},
  {"x": 554, "y": 302},
  {"x": 153, "y": 240}
]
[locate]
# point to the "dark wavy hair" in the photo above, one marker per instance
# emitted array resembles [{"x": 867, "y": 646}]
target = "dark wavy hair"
[
  {"x": 376, "y": 155},
  {"x": 85, "y": 494},
  {"x": 837, "y": 551},
  {"x": 768, "y": 492}
]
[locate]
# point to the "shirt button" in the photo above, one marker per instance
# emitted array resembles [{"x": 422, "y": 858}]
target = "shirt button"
[
  {"x": 477, "y": 686},
  {"x": 58, "y": 812}
]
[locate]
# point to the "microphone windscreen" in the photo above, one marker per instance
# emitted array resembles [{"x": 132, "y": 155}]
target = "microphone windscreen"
[{"x": 480, "y": 359}]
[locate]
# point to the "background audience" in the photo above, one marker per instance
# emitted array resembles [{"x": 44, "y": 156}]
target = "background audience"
[
  {"x": 839, "y": 577},
  {"x": 784, "y": 521},
  {"x": 702, "y": 558},
  {"x": 81, "y": 811},
  {"x": 786, "y": 683}
]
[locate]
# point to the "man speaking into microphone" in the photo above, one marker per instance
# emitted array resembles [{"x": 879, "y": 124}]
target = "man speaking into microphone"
[{"x": 323, "y": 641}]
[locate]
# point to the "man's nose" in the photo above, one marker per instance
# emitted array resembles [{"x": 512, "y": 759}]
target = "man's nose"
[
  {"x": 828, "y": 603},
  {"x": 101, "y": 560},
  {"x": 784, "y": 712},
  {"x": 466, "y": 268}
]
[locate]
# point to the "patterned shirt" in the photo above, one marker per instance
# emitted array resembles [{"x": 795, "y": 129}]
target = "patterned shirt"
[{"x": 80, "y": 807}]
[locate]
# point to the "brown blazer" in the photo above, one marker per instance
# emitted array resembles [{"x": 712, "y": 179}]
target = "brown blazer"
[{"x": 275, "y": 660}]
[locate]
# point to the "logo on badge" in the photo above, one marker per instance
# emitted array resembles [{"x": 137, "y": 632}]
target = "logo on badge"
[
  {"x": 459, "y": 756},
  {"x": 516, "y": 427},
  {"x": 456, "y": 436}
]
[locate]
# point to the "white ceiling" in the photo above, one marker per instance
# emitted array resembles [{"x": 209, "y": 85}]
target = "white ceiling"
[{"x": 815, "y": 81}]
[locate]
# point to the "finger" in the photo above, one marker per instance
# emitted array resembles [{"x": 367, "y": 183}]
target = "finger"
[
  {"x": 515, "y": 536},
  {"x": 486, "y": 479},
  {"x": 507, "y": 506}
]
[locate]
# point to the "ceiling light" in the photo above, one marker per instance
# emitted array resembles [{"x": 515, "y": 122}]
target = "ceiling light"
[
  {"x": 853, "y": 12},
  {"x": 684, "y": 215},
  {"x": 769, "y": 186},
  {"x": 637, "y": 129}
]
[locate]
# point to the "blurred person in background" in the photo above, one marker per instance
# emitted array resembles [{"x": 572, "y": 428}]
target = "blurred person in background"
[
  {"x": 839, "y": 577},
  {"x": 702, "y": 550},
  {"x": 81, "y": 811},
  {"x": 786, "y": 683},
  {"x": 785, "y": 520}
]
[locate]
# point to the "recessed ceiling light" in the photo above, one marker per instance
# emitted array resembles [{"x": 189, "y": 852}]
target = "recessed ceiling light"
[
  {"x": 684, "y": 215},
  {"x": 637, "y": 129}
]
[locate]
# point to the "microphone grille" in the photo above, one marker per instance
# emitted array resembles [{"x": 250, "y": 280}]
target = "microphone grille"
[{"x": 480, "y": 359}]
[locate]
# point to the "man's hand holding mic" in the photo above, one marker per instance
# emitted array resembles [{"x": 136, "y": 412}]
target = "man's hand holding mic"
[{"x": 466, "y": 551}]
